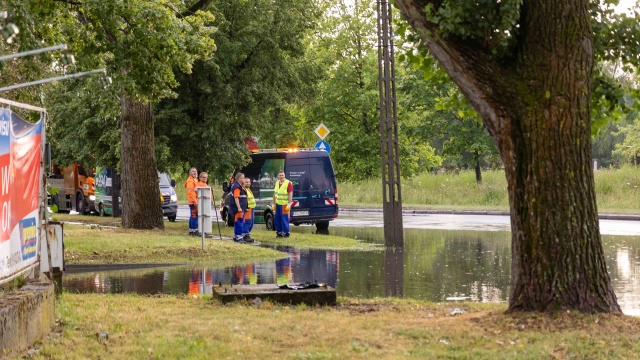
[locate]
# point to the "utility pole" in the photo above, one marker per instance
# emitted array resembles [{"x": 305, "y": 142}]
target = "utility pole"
[
  {"x": 389, "y": 152},
  {"x": 389, "y": 156}
]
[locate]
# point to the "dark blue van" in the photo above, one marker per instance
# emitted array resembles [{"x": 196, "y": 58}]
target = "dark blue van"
[{"x": 315, "y": 194}]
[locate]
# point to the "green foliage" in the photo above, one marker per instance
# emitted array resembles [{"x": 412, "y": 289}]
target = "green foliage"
[
  {"x": 629, "y": 149},
  {"x": 348, "y": 102},
  {"x": 84, "y": 131},
  {"x": 493, "y": 23},
  {"x": 605, "y": 141},
  {"x": 439, "y": 113},
  {"x": 615, "y": 96},
  {"x": 141, "y": 43},
  {"x": 246, "y": 90},
  {"x": 493, "y": 26}
]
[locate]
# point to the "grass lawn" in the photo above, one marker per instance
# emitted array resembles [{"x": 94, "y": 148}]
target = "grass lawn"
[
  {"x": 616, "y": 190},
  {"x": 196, "y": 327},
  {"x": 105, "y": 242}
]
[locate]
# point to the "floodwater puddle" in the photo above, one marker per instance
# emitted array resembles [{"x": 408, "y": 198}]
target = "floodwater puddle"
[{"x": 434, "y": 265}]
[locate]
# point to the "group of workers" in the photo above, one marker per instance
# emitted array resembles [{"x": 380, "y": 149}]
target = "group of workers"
[{"x": 243, "y": 204}]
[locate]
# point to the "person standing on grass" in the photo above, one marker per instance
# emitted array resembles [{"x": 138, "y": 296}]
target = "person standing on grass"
[
  {"x": 282, "y": 199},
  {"x": 238, "y": 206},
  {"x": 192, "y": 200},
  {"x": 248, "y": 215}
]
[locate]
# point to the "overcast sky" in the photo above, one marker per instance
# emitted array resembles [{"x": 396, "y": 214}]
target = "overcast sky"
[{"x": 624, "y": 5}]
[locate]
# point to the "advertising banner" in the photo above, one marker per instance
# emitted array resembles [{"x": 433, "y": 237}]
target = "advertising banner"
[{"x": 20, "y": 159}]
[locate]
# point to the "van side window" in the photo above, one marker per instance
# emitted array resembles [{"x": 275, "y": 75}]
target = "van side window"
[
  {"x": 269, "y": 175},
  {"x": 252, "y": 170}
]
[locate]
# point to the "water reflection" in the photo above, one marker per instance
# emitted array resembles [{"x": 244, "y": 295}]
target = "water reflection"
[
  {"x": 433, "y": 265},
  {"x": 394, "y": 271}
]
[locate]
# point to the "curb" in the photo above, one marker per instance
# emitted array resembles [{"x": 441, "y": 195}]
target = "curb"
[
  {"x": 483, "y": 212},
  {"x": 605, "y": 216}
]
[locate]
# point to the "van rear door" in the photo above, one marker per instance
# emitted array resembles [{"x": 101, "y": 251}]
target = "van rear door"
[
  {"x": 297, "y": 171},
  {"x": 322, "y": 186}
]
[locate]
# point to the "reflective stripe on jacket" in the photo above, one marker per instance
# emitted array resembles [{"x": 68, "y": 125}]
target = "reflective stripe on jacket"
[
  {"x": 242, "y": 199},
  {"x": 282, "y": 195},
  {"x": 251, "y": 201}
]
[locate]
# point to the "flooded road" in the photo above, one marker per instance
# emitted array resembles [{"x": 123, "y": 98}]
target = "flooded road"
[
  {"x": 435, "y": 265},
  {"x": 360, "y": 219}
]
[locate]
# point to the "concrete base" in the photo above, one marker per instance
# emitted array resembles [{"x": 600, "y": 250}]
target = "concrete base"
[
  {"x": 317, "y": 296},
  {"x": 26, "y": 315}
]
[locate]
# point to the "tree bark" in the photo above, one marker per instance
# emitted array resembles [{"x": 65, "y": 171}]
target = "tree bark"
[
  {"x": 536, "y": 106},
  {"x": 141, "y": 207},
  {"x": 476, "y": 158}
]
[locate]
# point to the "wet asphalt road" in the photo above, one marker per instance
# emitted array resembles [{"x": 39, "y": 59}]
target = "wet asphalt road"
[{"x": 451, "y": 221}]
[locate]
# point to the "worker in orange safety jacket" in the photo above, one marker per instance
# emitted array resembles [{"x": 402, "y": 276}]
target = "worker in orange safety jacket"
[{"x": 192, "y": 200}]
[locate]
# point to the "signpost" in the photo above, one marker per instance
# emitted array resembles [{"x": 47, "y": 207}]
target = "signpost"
[
  {"x": 322, "y": 131},
  {"x": 323, "y": 145}
]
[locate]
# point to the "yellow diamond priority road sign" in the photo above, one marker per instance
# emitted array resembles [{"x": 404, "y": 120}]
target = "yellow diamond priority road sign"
[{"x": 322, "y": 131}]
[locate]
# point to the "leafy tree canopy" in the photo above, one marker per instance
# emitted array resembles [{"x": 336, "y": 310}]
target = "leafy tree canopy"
[
  {"x": 495, "y": 27},
  {"x": 245, "y": 90},
  {"x": 140, "y": 43}
]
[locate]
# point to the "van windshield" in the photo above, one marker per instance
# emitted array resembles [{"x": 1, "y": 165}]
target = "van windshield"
[{"x": 164, "y": 179}]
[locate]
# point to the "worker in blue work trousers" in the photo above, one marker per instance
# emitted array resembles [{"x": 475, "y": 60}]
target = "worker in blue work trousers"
[
  {"x": 238, "y": 206},
  {"x": 282, "y": 199}
]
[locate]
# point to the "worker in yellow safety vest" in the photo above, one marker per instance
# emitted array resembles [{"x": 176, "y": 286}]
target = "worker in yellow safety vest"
[
  {"x": 282, "y": 199},
  {"x": 248, "y": 215}
]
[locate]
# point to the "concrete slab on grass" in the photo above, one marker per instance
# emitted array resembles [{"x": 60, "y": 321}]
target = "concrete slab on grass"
[{"x": 324, "y": 295}]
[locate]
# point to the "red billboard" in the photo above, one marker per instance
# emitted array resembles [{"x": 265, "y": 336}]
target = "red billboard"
[{"x": 20, "y": 157}]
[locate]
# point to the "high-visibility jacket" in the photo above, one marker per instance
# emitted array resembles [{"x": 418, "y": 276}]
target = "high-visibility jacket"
[
  {"x": 190, "y": 185},
  {"x": 242, "y": 199},
  {"x": 251, "y": 201},
  {"x": 282, "y": 195}
]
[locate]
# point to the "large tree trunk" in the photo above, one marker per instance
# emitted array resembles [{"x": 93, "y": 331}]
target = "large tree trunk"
[
  {"x": 141, "y": 208},
  {"x": 537, "y": 108}
]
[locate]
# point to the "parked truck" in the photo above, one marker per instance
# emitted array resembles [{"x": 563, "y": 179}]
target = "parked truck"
[{"x": 72, "y": 188}]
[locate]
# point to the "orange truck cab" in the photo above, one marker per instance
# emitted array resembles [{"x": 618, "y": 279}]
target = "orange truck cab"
[{"x": 75, "y": 188}]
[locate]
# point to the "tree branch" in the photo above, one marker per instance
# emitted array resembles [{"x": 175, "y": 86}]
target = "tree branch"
[
  {"x": 200, "y": 5},
  {"x": 483, "y": 81},
  {"x": 69, "y": 2}
]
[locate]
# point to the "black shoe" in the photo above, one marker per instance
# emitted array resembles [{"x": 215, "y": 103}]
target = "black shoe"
[
  {"x": 197, "y": 233},
  {"x": 248, "y": 239},
  {"x": 286, "y": 235},
  {"x": 279, "y": 235}
]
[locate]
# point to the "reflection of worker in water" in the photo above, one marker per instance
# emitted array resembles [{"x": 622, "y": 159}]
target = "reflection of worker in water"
[
  {"x": 238, "y": 275},
  {"x": 194, "y": 282},
  {"x": 252, "y": 277},
  {"x": 283, "y": 271}
]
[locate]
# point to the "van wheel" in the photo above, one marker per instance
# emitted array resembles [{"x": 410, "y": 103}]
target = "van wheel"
[
  {"x": 268, "y": 222},
  {"x": 322, "y": 225},
  {"x": 171, "y": 218},
  {"x": 101, "y": 210}
]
